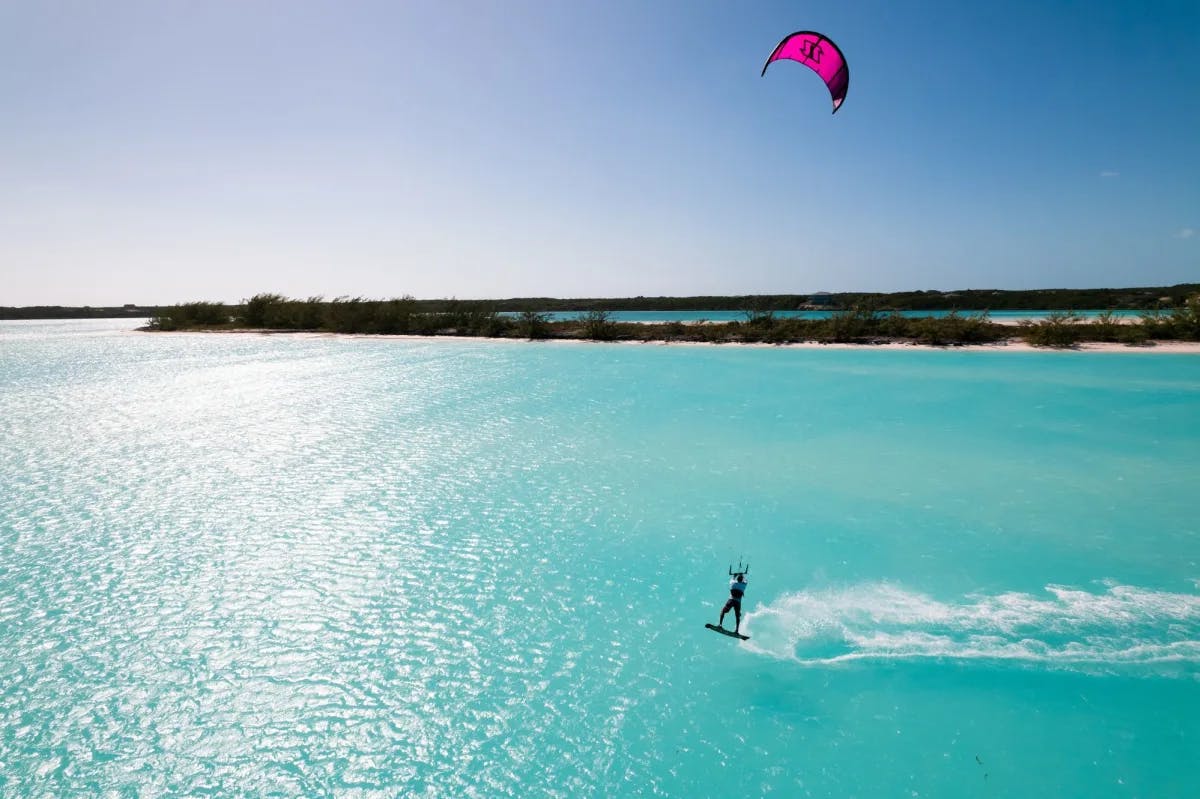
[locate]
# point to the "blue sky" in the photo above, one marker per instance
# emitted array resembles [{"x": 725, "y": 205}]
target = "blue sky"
[{"x": 169, "y": 151}]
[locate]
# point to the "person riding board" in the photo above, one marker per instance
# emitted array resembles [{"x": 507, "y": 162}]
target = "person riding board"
[{"x": 737, "y": 589}]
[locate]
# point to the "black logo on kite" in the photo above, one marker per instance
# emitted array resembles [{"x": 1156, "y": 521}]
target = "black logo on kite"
[{"x": 811, "y": 51}]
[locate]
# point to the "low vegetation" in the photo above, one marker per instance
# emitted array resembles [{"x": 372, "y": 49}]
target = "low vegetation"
[{"x": 864, "y": 323}]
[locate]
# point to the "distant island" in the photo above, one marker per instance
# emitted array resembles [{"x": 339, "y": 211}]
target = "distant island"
[
  {"x": 129, "y": 311},
  {"x": 1146, "y": 298},
  {"x": 1163, "y": 313},
  {"x": 1174, "y": 315}
]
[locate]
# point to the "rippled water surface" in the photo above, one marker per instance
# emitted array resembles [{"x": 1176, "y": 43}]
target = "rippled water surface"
[{"x": 242, "y": 565}]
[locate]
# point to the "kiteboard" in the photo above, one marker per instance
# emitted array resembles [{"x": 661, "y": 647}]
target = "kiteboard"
[{"x": 730, "y": 633}]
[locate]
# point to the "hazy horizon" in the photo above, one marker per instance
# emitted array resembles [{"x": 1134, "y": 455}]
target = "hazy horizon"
[{"x": 159, "y": 154}]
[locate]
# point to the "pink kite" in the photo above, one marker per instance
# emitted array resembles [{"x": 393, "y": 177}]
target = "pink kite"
[{"x": 821, "y": 55}]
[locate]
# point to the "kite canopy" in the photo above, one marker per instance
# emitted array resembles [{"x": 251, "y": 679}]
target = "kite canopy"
[{"x": 818, "y": 53}]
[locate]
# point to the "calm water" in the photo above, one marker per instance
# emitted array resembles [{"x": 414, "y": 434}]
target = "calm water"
[{"x": 241, "y": 565}]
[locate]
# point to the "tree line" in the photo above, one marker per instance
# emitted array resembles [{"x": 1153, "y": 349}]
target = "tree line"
[{"x": 862, "y": 323}]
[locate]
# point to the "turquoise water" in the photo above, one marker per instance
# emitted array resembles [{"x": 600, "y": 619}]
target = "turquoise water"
[
  {"x": 739, "y": 316},
  {"x": 241, "y": 565}
]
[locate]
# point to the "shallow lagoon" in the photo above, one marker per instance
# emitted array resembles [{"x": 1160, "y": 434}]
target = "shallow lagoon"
[{"x": 307, "y": 565}]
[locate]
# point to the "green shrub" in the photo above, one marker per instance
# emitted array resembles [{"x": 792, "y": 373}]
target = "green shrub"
[
  {"x": 598, "y": 325},
  {"x": 1105, "y": 327},
  {"x": 191, "y": 315},
  {"x": 1058, "y": 330},
  {"x": 533, "y": 325},
  {"x": 854, "y": 324},
  {"x": 1132, "y": 335},
  {"x": 256, "y": 309},
  {"x": 673, "y": 330},
  {"x": 1185, "y": 321},
  {"x": 896, "y": 325}
]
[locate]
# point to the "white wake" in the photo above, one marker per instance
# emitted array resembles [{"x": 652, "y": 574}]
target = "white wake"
[{"x": 1119, "y": 625}]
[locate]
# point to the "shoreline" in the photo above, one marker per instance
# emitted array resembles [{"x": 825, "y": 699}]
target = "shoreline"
[{"x": 1165, "y": 347}]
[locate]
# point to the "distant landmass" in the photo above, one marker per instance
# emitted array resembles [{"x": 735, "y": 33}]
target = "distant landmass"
[
  {"x": 1138, "y": 298},
  {"x": 84, "y": 312}
]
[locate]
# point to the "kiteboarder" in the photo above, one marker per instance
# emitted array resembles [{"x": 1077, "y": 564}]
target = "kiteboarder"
[{"x": 737, "y": 589}]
